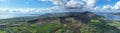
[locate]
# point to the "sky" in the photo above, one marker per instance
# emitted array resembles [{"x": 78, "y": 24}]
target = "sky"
[
  {"x": 40, "y": 3},
  {"x": 24, "y": 4},
  {"x": 21, "y": 4},
  {"x": 27, "y": 7}
]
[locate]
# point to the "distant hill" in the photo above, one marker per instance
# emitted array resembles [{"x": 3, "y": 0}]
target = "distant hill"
[
  {"x": 18, "y": 19},
  {"x": 116, "y": 14}
]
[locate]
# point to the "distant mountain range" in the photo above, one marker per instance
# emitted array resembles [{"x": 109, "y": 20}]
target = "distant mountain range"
[
  {"x": 108, "y": 16},
  {"x": 52, "y": 15}
]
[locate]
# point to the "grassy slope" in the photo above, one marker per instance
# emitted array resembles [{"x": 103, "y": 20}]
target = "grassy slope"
[{"x": 94, "y": 26}]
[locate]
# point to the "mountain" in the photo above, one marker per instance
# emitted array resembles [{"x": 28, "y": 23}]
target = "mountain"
[
  {"x": 116, "y": 14},
  {"x": 77, "y": 22},
  {"x": 56, "y": 17},
  {"x": 61, "y": 22}
]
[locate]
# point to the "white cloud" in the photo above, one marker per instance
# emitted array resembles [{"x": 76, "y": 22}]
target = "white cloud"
[
  {"x": 90, "y": 3},
  {"x": 107, "y": 7},
  {"x": 74, "y": 4},
  {"x": 10, "y": 13},
  {"x": 56, "y": 2},
  {"x": 29, "y": 10},
  {"x": 117, "y": 6},
  {"x": 66, "y": 3},
  {"x": 6, "y": 16},
  {"x": 59, "y": 2},
  {"x": 69, "y": 4},
  {"x": 15, "y": 10},
  {"x": 96, "y": 9}
]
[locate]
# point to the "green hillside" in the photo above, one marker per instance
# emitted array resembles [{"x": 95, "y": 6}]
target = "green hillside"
[{"x": 81, "y": 23}]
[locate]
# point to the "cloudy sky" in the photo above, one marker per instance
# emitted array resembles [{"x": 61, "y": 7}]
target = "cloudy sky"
[
  {"x": 109, "y": 5},
  {"x": 23, "y": 7}
]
